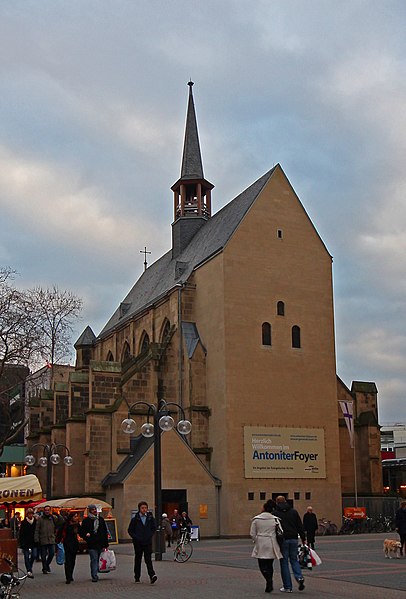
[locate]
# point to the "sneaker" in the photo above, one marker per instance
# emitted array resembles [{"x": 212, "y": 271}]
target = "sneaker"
[
  {"x": 283, "y": 590},
  {"x": 301, "y": 584},
  {"x": 137, "y": 580},
  {"x": 30, "y": 575},
  {"x": 95, "y": 580},
  {"x": 154, "y": 578}
]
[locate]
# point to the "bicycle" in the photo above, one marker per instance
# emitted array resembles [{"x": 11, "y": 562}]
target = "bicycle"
[
  {"x": 184, "y": 547},
  {"x": 326, "y": 527},
  {"x": 9, "y": 582}
]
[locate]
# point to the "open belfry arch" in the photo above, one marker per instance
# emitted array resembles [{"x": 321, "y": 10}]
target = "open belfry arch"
[{"x": 191, "y": 330}]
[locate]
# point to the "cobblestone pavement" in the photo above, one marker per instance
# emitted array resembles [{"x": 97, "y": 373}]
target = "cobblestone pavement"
[{"x": 352, "y": 568}]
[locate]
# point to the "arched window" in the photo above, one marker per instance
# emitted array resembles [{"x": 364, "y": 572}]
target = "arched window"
[
  {"x": 295, "y": 336},
  {"x": 126, "y": 353},
  {"x": 165, "y": 330},
  {"x": 280, "y": 308},
  {"x": 144, "y": 344},
  {"x": 266, "y": 334},
  {"x": 110, "y": 357}
]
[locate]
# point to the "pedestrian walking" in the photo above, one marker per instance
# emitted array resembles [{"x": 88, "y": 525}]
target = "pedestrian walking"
[
  {"x": 94, "y": 531},
  {"x": 26, "y": 540},
  {"x": 166, "y": 526},
  {"x": 310, "y": 525},
  {"x": 400, "y": 521},
  {"x": 45, "y": 536},
  {"x": 175, "y": 520},
  {"x": 68, "y": 535},
  {"x": 15, "y": 523},
  {"x": 141, "y": 529},
  {"x": 292, "y": 528},
  {"x": 266, "y": 547}
]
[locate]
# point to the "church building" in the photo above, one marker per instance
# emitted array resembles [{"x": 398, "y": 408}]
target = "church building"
[{"x": 235, "y": 324}]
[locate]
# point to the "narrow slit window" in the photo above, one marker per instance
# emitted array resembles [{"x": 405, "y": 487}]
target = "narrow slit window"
[
  {"x": 280, "y": 234},
  {"x": 280, "y": 308},
  {"x": 295, "y": 336},
  {"x": 266, "y": 334}
]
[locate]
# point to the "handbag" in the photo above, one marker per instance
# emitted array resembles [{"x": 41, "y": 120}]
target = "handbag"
[
  {"x": 279, "y": 532},
  {"x": 60, "y": 554}
]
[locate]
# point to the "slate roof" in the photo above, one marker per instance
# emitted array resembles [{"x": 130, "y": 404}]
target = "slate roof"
[
  {"x": 191, "y": 336},
  {"x": 192, "y": 166},
  {"x": 139, "y": 447},
  {"x": 86, "y": 338},
  {"x": 164, "y": 274}
]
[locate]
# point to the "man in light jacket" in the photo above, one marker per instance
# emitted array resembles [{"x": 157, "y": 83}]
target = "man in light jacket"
[{"x": 44, "y": 536}]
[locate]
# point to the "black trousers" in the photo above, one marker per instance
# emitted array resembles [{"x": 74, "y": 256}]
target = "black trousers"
[
  {"x": 310, "y": 538},
  {"x": 70, "y": 561},
  {"x": 266, "y": 567},
  {"x": 146, "y": 551}
]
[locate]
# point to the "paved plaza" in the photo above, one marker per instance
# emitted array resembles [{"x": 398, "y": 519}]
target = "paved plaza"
[{"x": 353, "y": 567}]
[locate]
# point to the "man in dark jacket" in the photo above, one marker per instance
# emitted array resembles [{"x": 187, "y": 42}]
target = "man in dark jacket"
[
  {"x": 292, "y": 528},
  {"x": 401, "y": 526},
  {"x": 94, "y": 531},
  {"x": 26, "y": 538},
  {"x": 141, "y": 529},
  {"x": 310, "y": 525}
]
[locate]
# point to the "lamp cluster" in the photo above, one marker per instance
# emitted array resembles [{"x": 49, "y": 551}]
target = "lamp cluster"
[
  {"x": 166, "y": 423},
  {"x": 52, "y": 456}
]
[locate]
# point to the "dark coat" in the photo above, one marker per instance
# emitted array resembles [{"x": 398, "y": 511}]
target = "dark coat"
[
  {"x": 291, "y": 521},
  {"x": 96, "y": 540},
  {"x": 310, "y": 523},
  {"x": 142, "y": 533},
  {"x": 401, "y": 521},
  {"x": 27, "y": 534}
]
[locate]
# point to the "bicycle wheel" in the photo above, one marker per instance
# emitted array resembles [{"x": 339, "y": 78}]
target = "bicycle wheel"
[
  {"x": 183, "y": 552},
  {"x": 333, "y": 530}
]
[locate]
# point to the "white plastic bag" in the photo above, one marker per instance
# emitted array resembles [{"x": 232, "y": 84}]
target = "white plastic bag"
[
  {"x": 316, "y": 561},
  {"x": 107, "y": 561}
]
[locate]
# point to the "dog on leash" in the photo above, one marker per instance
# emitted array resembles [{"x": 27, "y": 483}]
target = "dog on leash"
[{"x": 391, "y": 548}]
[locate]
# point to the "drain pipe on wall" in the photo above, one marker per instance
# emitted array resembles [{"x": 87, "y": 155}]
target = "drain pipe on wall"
[{"x": 180, "y": 349}]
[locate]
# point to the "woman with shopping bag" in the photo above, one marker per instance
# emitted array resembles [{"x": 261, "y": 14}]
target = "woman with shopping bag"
[{"x": 68, "y": 536}]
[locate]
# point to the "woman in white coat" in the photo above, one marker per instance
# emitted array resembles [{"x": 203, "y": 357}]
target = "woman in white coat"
[{"x": 266, "y": 547}]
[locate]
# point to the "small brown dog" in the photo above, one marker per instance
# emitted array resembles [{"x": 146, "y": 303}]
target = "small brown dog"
[{"x": 391, "y": 548}]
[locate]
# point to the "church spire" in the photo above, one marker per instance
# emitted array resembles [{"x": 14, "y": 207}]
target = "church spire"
[
  {"x": 192, "y": 193},
  {"x": 192, "y": 167}
]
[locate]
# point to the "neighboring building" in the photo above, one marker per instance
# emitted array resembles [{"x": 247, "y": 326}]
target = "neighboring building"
[
  {"x": 235, "y": 323},
  {"x": 12, "y": 389},
  {"x": 367, "y": 470},
  {"x": 393, "y": 451}
]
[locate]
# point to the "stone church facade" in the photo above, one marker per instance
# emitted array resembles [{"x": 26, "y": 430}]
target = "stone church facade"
[{"x": 235, "y": 324}]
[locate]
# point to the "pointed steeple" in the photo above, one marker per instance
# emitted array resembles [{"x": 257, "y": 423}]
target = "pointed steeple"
[
  {"x": 192, "y": 193},
  {"x": 192, "y": 167}
]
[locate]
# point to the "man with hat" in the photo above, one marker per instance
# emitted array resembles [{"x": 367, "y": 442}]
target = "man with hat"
[{"x": 94, "y": 531}]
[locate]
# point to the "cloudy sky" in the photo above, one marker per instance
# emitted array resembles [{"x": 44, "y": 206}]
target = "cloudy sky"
[{"x": 92, "y": 107}]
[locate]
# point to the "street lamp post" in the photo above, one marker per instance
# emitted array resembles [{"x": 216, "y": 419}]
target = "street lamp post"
[
  {"x": 161, "y": 422},
  {"x": 50, "y": 457}
]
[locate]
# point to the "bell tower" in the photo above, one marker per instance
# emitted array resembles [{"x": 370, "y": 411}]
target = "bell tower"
[{"x": 192, "y": 193}]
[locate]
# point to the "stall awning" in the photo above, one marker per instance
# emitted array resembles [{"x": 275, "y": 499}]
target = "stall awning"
[{"x": 20, "y": 489}]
